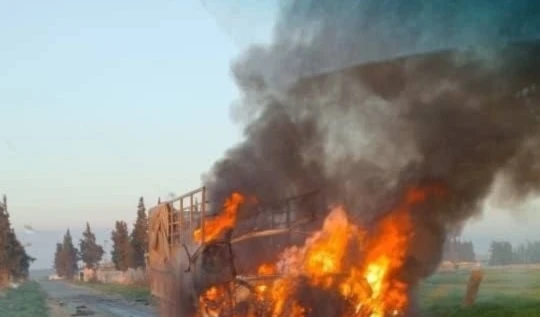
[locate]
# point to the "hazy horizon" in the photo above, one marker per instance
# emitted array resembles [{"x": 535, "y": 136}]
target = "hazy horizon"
[{"x": 516, "y": 228}]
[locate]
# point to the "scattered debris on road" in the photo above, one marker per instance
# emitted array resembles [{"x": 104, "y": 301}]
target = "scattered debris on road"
[
  {"x": 82, "y": 310},
  {"x": 70, "y": 300}
]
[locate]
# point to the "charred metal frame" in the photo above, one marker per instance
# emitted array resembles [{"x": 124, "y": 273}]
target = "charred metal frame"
[
  {"x": 286, "y": 208},
  {"x": 186, "y": 214}
]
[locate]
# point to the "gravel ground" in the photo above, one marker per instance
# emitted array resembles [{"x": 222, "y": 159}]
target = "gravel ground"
[{"x": 68, "y": 299}]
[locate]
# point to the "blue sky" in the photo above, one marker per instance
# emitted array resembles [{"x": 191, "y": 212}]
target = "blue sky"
[
  {"x": 105, "y": 101},
  {"x": 102, "y": 102}
]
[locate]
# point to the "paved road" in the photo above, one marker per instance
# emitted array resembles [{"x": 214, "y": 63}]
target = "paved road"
[{"x": 70, "y": 296}]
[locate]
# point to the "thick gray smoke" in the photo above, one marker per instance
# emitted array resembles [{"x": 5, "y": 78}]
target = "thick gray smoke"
[{"x": 375, "y": 123}]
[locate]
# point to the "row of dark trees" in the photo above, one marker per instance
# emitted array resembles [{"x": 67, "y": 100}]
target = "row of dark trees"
[
  {"x": 66, "y": 257},
  {"x": 128, "y": 249},
  {"x": 503, "y": 253},
  {"x": 456, "y": 250},
  {"x": 14, "y": 261}
]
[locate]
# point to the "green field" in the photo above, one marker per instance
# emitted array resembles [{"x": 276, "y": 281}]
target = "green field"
[
  {"x": 511, "y": 292},
  {"x": 26, "y": 301}
]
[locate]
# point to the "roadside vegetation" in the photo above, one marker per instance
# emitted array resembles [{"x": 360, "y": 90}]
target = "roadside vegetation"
[
  {"x": 128, "y": 250},
  {"x": 28, "y": 300},
  {"x": 14, "y": 261}
]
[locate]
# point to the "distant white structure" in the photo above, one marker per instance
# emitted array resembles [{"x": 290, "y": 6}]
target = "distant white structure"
[
  {"x": 54, "y": 277},
  {"x": 107, "y": 273}
]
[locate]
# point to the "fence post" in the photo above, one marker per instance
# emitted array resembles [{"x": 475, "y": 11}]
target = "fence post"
[{"x": 473, "y": 285}]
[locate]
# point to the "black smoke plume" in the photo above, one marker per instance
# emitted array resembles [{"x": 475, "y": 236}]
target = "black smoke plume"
[{"x": 362, "y": 98}]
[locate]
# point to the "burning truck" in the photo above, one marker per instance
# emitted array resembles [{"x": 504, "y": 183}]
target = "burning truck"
[{"x": 294, "y": 227}]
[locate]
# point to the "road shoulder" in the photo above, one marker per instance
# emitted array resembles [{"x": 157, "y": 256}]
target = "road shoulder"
[{"x": 77, "y": 300}]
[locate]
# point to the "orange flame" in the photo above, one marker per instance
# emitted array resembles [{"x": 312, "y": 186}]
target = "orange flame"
[
  {"x": 368, "y": 283},
  {"x": 266, "y": 269},
  {"x": 211, "y": 301},
  {"x": 358, "y": 264},
  {"x": 213, "y": 227},
  {"x": 212, "y": 293}
]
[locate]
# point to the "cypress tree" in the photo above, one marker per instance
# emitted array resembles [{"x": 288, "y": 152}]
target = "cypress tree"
[
  {"x": 14, "y": 261},
  {"x": 91, "y": 252},
  {"x": 70, "y": 256},
  {"x": 121, "y": 253},
  {"x": 4, "y": 254},
  {"x": 59, "y": 260},
  {"x": 139, "y": 239}
]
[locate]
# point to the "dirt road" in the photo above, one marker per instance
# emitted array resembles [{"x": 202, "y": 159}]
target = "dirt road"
[{"x": 71, "y": 300}]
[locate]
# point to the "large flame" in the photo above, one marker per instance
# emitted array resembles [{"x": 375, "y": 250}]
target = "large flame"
[
  {"x": 360, "y": 266},
  {"x": 213, "y": 227}
]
